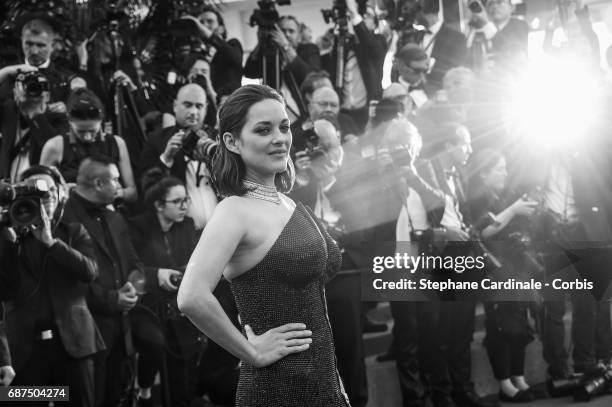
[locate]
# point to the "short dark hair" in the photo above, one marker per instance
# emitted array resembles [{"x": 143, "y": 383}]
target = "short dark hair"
[
  {"x": 307, "y": 86},
  {"x": 411, "y": 52},
  {"x": 37, "y": 26},
  {"x": 84, "y": 104},
  {"x": 101, "y": 160},
  {"x": 228, "y": 167},
  {"x": 156, "y": 184},
  {"x": 442, "y": 134},
  {"x": 42, "y": 170}
]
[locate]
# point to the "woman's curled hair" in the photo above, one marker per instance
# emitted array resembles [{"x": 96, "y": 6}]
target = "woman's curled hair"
[
  {"x": 228, "y": 168},
  {"x": 155, "y": 184}
]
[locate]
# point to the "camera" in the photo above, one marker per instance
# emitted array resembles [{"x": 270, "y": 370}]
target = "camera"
[
  {"x": 22, "y": 204},
  {"x": 266, "y": 16},
  {"x": 594, "y": 383},
  {"x": 475, "y": 7},
  {"x": 32, "y": 84},
  {"x": 190, "y": 144},
  {"x": 176, "y": 279},
  {"x": 314, "y": 150}
]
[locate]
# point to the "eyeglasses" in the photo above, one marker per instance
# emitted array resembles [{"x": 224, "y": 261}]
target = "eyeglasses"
[{"x": 180, "y": 201}]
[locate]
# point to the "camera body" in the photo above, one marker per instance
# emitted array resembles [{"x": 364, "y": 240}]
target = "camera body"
[
  {"x": 22, "y": 204},
  {"x": 31, "y": 84},
  {"x": 176, "y": 280},
  {"x": 314, "y": 150},
  {"x": 266, "y": 16}
]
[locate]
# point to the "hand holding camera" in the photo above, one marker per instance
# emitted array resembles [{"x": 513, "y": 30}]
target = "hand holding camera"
[
  {"x": 7, "y": 374},
  {"x": 42, "y": 232},
  {"x": 169, "y": 279},
  {"x": 524, "y": 206},
  {"x": 174, "y": 145},
  {"x": 127, "y": 297}
]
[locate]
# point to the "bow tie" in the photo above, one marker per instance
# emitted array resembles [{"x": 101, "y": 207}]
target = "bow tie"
[{"x": 451, "y": 173}]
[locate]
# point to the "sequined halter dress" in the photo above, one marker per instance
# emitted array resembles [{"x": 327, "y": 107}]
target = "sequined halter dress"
[{"x": 287, "y": 286}]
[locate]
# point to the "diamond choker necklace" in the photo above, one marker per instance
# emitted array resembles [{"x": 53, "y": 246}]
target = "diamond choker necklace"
[{"x": 262, "y": 192}]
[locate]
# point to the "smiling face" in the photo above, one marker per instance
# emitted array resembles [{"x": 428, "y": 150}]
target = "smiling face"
[{"x": 264, "y": 140}]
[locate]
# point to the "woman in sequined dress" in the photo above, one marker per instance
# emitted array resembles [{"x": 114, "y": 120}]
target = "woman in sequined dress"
[{"x": 276, "y": 257}]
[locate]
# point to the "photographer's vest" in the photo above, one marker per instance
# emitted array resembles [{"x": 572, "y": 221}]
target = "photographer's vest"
[{"x": 75, "y": 151}]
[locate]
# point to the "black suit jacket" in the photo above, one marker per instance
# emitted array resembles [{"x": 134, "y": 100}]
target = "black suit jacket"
[
  {"x": 449, "y": 50},
  {"x": 149, "y": 158},
  {"x": 148, "y": 239},
  {"x": 293, "y": 73},
  {"x": 42, "y": 128},
  {"x": 512, "y": 38},
  {"x": 104, "y": 290},
  {"x": 370, "y": 51},
  {"x": 69, "y": 267},
  {"x": 226, "y": 65}
]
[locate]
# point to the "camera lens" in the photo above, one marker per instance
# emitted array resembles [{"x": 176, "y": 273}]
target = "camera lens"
[{"x": 25, "y": 212}]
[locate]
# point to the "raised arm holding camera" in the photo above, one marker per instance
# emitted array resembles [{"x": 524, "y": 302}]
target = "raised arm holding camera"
[
  {"x": 26, "y": 122},
  {"x": 184, "y": 151},
  {"x": 48, "y": 264}
]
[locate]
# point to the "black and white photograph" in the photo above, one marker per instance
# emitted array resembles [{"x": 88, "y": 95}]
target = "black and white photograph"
[{"x": 305, "y": 203}]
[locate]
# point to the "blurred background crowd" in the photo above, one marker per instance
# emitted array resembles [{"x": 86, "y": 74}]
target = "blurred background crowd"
[{"x": 429, "y": 121}]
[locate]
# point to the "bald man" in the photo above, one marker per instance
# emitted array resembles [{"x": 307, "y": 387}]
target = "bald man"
[
  {"x": 110, "y": 296},
  {"x": 166, "y": 149}
]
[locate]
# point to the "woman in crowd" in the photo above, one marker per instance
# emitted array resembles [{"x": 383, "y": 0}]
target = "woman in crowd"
[
  {"x": 507, "y": 328},
  {"x": 164, "y": 239},
  {"x": 86, "y": 138},
  {"x": 276, "y": 257}
]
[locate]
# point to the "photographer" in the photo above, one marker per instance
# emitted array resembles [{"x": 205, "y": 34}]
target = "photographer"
[
  {"x": 184, "y": 151},
  {"x": 363, "y": 61},
  {"x": 507, "y": 325},
  {"x": 225, "y": 56},
  {"x": 164, "y": 238},
  {"x": 446, "y": 327},
  {"x": 324, "y": 104},
  {"x": 37, "y": 45},
  {"x": 111, "y": 295},
  {"x": 26, "y": 122},
  {"x": 296, "y": 61},
  {"x": 86, "y": 138},
  {"x": 51, "y": 333},
  {"x": 493, "y": 30}
]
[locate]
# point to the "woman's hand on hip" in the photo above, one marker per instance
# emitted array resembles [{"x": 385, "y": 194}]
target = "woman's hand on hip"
[{"x": 279, "y": 342}]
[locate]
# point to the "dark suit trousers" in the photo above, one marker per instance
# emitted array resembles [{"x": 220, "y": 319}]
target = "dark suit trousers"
[
  {"x": 405, "y": 347},
  {"x": 343, "y": 295},
  {"x": 112, "y": 369},
  {"x": 153, "y": 353},
  {"x": 591, "y": 330},
  {"x": 445, "y": 337},
  {"x": 51, "y": 365}
]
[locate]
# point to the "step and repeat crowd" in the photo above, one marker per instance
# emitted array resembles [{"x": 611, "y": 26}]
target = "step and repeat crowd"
[{"x": 107, "y": 186}]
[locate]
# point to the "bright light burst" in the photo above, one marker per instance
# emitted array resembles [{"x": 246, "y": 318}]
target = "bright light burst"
[{"x": 555, "y": 102}]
